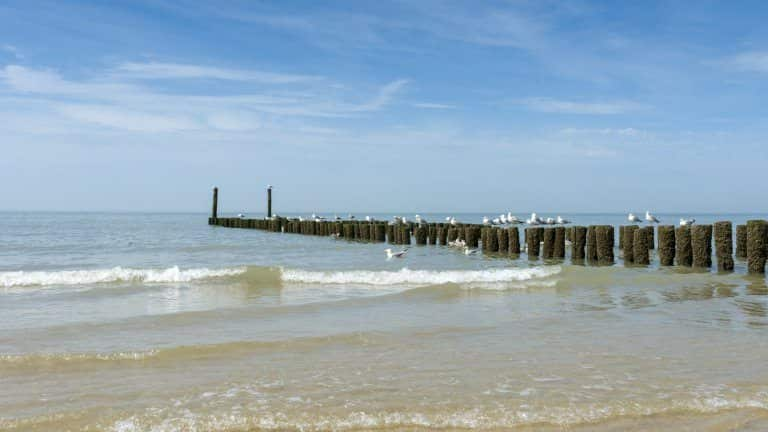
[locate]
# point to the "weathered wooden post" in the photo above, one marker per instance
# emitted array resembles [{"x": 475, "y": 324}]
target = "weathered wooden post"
[
  {"x": 651, "y": 242},
  {"x": 629, "y": 243},
  {"x": 215, "y": 209},
  {"x": 591, "y": 243},
  {"x": 724, "y": 245},
  {"x": 683, "y": 252},
  {"x": 548, "y": 247},
  {"x": 452, "y": 235},
  {"x": 701, "y": 246},
  {"x": 421, "y": 235},
  {"x": 431, "y": 234},
  {"x": 472, "y": 236},
  {"x": 559, "y": 248},
  {"x": 579, "y": 235},
  {"x": 493, "y": 240},
  {"x": 532, "y": 243},
  {"x": 604, "y": 238},
  {"x": 640, "y": 254},
  {"x": 666, "y": 245},
  {"x": 442, "y": 235},
  {"x": 503, "y": 239},
  {"x": 741, "y": 241},
  {"x": 757, "y": 245},
  {"x": 514, "y": 241},
  {"x": 269, "y": 201},
  {"x": 391, "y": 234}
]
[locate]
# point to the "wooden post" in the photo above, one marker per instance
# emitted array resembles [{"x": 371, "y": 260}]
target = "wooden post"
[
  {"x": 757, "y": 242},
  {"x": 532, "y": 243},
  {"x": 503, "y": 239},
  {"x": 741, "y": 241},
  {"x": 640, "y": 254},
  {"x": 548, "y": 250},
  {"x": 604, "y": 238},
  {"x": 493, "y": 240},
  {"x": 629, "y": 243},
  {"x": 666, "y": 245},
  {"x": 578, "y": 243},
  {"x": 421, "y": 235},
  {"x": 215, "y": 209},
  {"x": 591, "y": 244},
  {"x": 269, "y": 201},
  {"x": 683, "y": 253},
  {"x": 560, "y": 234},
  {"x": 651, "y": 242},
  {"x": 514, "y": 241},
  {"x": 701, "y": 246},
  {"x": 724, "y": 245}
]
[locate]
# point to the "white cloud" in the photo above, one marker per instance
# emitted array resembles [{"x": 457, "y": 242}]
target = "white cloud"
[
  {"x": 430, "y": 105},
  {"x": 159, "y": 70},
  {"x": 548, "y": 105},
  {"x": 119, "y": 118},
  {"x": 755, "y": 61},
  {"x": 603, "y": 131},
  {"x": 11, "y": 50}
]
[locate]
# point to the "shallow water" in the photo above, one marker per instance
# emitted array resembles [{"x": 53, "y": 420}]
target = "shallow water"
[{"x": 126, "y": 322}]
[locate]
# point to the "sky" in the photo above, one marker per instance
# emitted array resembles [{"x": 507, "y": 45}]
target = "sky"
[{"x": 378, "y": 106}]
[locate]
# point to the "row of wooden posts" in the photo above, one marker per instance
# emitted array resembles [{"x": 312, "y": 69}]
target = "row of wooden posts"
[{"x": 688, "y": 246}]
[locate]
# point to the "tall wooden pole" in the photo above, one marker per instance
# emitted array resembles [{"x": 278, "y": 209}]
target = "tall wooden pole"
[
  {"x": 215, "y": 209},
  {"x": 269, "y": 201}
]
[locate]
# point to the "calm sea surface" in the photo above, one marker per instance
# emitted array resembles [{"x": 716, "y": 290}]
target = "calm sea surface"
[{"x": 159, "y": 322}]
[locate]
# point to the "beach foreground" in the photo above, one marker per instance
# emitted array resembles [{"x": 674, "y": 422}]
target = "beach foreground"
[{"x": 202, "y": 328}]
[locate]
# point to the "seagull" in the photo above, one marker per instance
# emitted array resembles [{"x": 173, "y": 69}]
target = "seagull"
[
  {"x": 496, "y": 221},
  {"x": 420, "y": 220},
  {"x": 468, "y": 251},
  {"x": 686, "y": 222},
  {"x": 400, "y": 254},
  {"x": 486, "y": 221},
  {"x": 632, "y": 218},
  {"x": 335, "y": 235},
  {"x": 337, "y": 217},
  {"x": 550, "y": 221},
  {"x": 562, "y": 221},
  {"x": 240, "y": 215},
  {"x": 503, "y": 219},
  {"x": 513, "y": 219},
  {"x": 447, "y": 218},
  {"x": 367, "y": 218},
  {"x": 351, "y": 216},
  {"x": 650, "y": 218},
  {"x": 532, "y": 221},
  {"x": 453, "y": 221}
]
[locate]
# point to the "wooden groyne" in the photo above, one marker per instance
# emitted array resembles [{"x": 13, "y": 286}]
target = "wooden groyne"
[{"x": 685, "y": 246}]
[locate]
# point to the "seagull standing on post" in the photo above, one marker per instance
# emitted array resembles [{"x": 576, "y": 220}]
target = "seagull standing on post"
[
  {"x": 650, "y": 218},
  {"x": 632, "y": 218}
]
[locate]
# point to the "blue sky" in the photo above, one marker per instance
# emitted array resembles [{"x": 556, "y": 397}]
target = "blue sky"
[{"x": 384, "y": 106}]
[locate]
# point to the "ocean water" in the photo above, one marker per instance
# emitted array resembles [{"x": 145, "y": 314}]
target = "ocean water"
[{"x": 159, "y": 322}]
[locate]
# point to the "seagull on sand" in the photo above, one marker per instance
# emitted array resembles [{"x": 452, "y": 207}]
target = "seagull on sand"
[
  {"x": 686, "y": 222},
  {"x": 400, "y": 254},
  {"x": 632, "y": 218},
  {"x": 650, "y": 218}
]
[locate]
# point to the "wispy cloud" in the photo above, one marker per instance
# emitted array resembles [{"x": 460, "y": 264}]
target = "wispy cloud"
[
  {"x": 157, "y": 70},
  {"x": 112, "y": 100},
  {"x": 548, "y": 105},
  {"x": 753, "y": 61},
  {"x": 11, "y": 50},
  {"x": 430, "y": 105}
]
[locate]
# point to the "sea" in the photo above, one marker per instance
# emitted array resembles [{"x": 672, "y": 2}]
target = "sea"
[{"x": 160, "y": 322}]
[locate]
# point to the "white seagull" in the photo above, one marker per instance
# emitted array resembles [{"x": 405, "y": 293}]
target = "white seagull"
[
  {"x": 453, "y": 221},
  {"x": 468, "y": 251},
  {"x": 686, "y": 222},
  {"x": 550, "y": 221},
  {"x": 650, "y": 218},
  {"x": 400, "y": 254},
  {"x": 503, "y": 219},
  {"x": 632, "y": 218},
  {"x": 562, "y": 221},
  {"x": 240, "y": 215},
  {"x": 486, "y": 221}
]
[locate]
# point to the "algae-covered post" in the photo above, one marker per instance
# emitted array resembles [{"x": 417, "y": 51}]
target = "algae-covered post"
[
  {"x": 578, "y": 242},
  {"x": 741, "y": 241},
  {"x": 640, "y": 254},
  {"x": 629, "y": 243},
  {"x": 701, "y": 246},
  {"x": 269, "y": 201},
  {"x": 683, "y": 253},
  {"x": 757, "y": 245},
  {"x": 724, "y": 245},
  {"x": 514, "y": 241},
  {"x": 604, "y": 238},
  {"x": 560, "y": 234},
  {"x": 503, "y": 236},
  {"x": 532, "y": 243},
  {"x": 666, "y": 245},
  {"x": 591, "y": 243},
  {"x": 548, "y": 250}
]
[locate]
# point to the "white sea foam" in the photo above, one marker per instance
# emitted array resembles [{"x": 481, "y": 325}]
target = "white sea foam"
[
  {"x": 116, "y": 274},
  {"x": 419, "y": 277}
]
